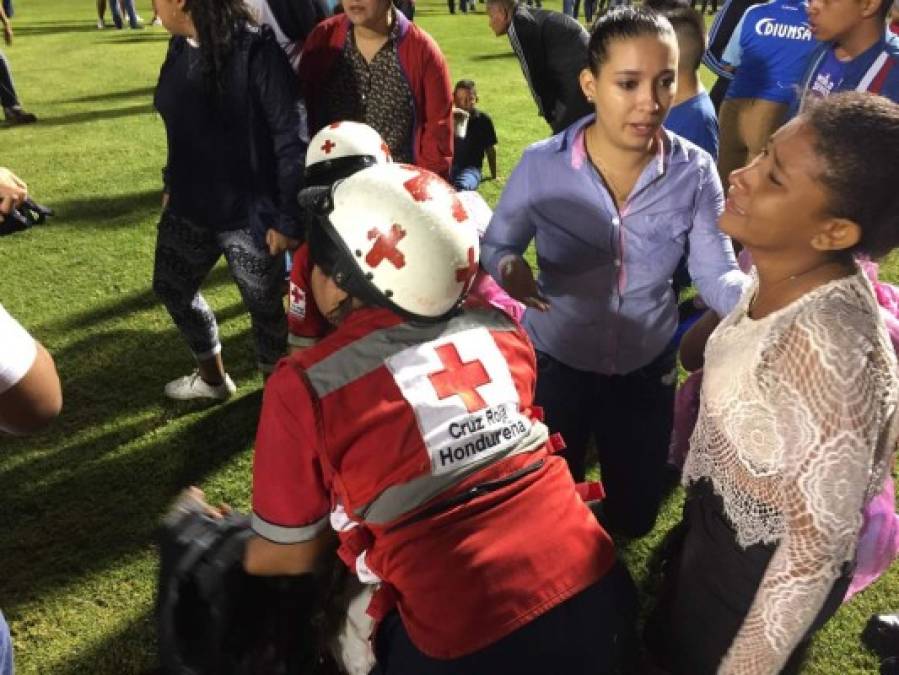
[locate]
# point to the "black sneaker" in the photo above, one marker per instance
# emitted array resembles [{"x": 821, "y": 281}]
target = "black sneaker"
[
  {"x": 16, "y": 115},
  {"x": 881, "y": 635}
]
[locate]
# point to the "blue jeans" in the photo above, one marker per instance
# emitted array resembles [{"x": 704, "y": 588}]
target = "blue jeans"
[
  {"x": 6, "y": 665},
  {"x": 572, "y": 7},
  {"x": 467, "y": 179},
  {"x": 128, "y": 7}
]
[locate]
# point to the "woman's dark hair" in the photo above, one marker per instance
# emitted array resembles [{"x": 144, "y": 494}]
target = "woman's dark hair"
[
  {"x": 218, "y": 23},
  {"x": 623, "y": 23},
  {"x": 857, "y": 137}
]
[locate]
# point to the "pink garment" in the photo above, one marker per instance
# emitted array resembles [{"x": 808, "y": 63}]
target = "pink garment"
[
  {"x": 878, "y": 544},
  {"x": 486, "y": 289}
]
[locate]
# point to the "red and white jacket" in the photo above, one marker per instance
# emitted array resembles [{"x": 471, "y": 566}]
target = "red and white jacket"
[{"x": 427, "y": 437}]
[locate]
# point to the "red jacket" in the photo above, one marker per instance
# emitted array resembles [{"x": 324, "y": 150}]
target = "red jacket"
[
  {"x": 426, "y": 72},
  {"x": 397, "y": 424}
]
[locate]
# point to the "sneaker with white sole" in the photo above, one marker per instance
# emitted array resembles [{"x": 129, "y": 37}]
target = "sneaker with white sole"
[{"x": 193, "y": 386}]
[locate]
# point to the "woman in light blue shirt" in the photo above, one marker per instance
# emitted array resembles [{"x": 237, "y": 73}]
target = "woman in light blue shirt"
[{"x": 611, "y": 203}]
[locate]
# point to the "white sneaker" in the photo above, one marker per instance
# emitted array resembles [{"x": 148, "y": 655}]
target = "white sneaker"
[
  {"x": 156, "y": 22},
  {"x": 101, "y": 24},
  {"x": 193, "y": 386}
]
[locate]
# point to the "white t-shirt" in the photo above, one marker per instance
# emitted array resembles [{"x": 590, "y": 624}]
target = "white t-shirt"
[{"x": 17, "y": 351}]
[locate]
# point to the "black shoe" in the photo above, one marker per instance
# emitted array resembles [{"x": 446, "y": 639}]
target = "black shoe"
[
  {"x": 881, "y": 635},
  {"x": 890, "y": 666},
  {"x": 16, "y": 115}
]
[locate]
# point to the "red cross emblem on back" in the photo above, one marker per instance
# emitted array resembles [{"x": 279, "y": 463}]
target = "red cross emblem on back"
[
  {"x": 328, "y": 146},
  {"x": 459, "y": 379},
  {"x": 385, "y": 247},
  {"x": 425, "y": 185}
]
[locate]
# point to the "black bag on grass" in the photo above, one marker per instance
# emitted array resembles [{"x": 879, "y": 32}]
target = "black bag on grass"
[
  {"x": 28, "y": 213},
  {"x": 214, "y": 619}
]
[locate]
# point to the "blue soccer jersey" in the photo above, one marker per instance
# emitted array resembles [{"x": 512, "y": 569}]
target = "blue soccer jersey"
[{"x": 770, "y": 49}]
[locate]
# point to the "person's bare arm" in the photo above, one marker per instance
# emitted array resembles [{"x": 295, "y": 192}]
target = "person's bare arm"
[
  {"x": 692, "y": 346},
  {"x": 13, "y": 191},
  {"x": 35, "y": 400},
  {"x": 7, "y": 26},
  {"x": 491, "y": 161},
  {"x": 266, "y": 558}
]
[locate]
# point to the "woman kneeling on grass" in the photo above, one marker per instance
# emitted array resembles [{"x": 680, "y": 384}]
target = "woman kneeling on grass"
[
  {"x": 797, "y": 423},
  {"x": 411, "y": 429}
]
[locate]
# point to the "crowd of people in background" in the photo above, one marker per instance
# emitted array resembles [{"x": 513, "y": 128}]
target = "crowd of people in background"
[{"x": 435, "y": 417}]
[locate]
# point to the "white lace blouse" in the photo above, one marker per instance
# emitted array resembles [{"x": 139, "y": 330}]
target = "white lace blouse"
[{"x": 796, "y": 430}]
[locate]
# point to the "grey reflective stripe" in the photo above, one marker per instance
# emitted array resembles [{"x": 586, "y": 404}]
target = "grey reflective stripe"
[
  {"x": 398, "y": 500},
  {"x": 287, "y": 535},
  {"x": 367, "y": 354},
  {"x": 300, "y": 341}
]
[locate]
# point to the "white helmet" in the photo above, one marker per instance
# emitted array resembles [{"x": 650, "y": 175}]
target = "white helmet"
[
  {"x": 404, "y": 240},
  {"x": 341, "y": 149}
]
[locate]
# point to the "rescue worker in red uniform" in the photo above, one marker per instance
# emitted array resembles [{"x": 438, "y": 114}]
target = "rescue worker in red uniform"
[{"x": 410, "y": 428}]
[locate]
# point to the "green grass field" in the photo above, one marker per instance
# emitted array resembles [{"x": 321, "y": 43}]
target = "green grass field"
[{"x": 79, "y": 503}]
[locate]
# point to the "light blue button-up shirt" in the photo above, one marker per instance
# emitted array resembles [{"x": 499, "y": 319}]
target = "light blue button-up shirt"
[{"x": 607, "y": 275}]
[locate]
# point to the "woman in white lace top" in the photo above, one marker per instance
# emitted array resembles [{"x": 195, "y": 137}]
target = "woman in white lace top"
[{"x": 797, "y": 423}]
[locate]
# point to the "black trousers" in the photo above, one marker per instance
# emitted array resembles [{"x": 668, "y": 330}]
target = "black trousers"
[
  {"x": 591, "y": 633},
  {"x": 629, "y": 417},
  {"x": 708, "y": 587},
  {"x": 8, "y": 96}
]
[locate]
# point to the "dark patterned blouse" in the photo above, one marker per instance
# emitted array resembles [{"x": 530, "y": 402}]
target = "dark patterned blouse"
[{"x": 376, "y": 93}]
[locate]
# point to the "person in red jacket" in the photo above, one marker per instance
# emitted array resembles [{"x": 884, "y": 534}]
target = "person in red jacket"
[
  {"x": 371, "y": 64},
  {"x": 410, "y": 429}
]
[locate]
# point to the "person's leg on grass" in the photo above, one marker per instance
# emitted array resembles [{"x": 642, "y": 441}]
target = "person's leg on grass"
[
  {"x": 259, "y": 277},
  {"x": 116, "y": 13},
  {"x": 185, "y": 254},
  {"x": 12, "y": 109},
  {"x": 128, "y": 10},
  {"x": 633, "y": 419}
]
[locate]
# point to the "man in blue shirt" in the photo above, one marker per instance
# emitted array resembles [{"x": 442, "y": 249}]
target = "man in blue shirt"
[
  {"x": 768, "y": 51},
  {"x": 857, "y": 52},
  {"x": 722, "y": 29}
]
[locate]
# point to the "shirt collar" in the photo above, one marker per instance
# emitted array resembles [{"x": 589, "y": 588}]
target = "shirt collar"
[{"x": 571, "y": 141}]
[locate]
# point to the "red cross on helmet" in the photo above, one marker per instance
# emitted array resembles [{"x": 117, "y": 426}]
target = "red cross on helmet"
[
  {"x": 405, "y": 240},
  {"x": 341, "y": 149}
]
